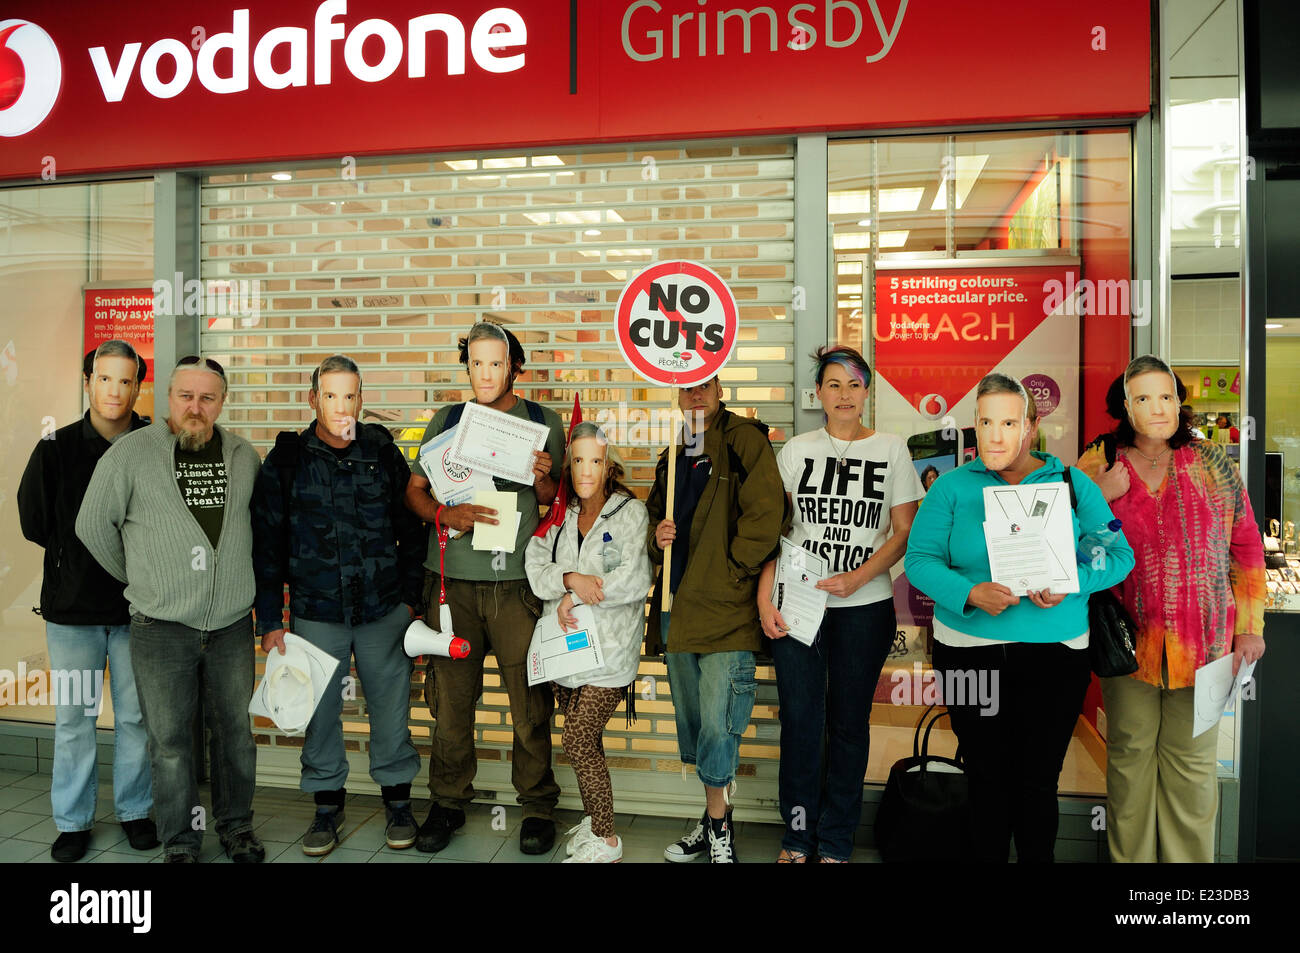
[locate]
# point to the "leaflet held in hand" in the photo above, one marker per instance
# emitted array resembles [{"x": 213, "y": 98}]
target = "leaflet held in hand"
[
  {"x": 554, "y": 653},
  {"x": 1029, "y": 532},
  {"x": 795, "y": 594},
  {"x": 453, "y": 484}
]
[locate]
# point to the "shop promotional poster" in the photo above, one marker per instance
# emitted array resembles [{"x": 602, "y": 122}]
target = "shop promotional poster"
[{"x": 937, "y": 331}]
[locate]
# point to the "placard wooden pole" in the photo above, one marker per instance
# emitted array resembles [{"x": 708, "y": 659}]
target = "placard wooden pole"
[{"x": 667, "y": 603}]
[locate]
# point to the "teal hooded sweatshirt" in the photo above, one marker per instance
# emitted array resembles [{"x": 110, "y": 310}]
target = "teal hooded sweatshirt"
[{"x": 947, "y": 556}]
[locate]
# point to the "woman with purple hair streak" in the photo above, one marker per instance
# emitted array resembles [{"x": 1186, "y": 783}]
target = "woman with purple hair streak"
[{"x": 854, "y": 493}]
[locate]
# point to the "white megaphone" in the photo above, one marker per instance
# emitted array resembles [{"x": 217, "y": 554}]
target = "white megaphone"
[{"x": 422, "y": 640}]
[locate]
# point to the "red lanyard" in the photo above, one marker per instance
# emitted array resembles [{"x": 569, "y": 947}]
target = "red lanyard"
[{"x": 442, "y": 552}]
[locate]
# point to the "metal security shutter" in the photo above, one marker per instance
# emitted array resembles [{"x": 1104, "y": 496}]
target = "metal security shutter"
[{"x": 389, "y": 261}]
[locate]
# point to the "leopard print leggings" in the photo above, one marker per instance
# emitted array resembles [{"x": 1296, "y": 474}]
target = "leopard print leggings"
[{"x": 586, "y": 710}]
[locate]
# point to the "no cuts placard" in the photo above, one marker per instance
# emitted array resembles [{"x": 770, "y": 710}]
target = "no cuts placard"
[{"x": 676, "y": 323}]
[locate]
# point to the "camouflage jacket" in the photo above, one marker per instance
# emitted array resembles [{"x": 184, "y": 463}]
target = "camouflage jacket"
[{"x": 350, "y": 550}]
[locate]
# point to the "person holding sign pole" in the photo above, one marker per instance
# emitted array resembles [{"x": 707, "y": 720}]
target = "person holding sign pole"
[
  {"x": 595, "y": 557},
  {"x": 491, "y": 606},
  {"x": 854, "y": 494},
  {"x": 1014, "y": 669},
  {"x": 727, "y": 522}
]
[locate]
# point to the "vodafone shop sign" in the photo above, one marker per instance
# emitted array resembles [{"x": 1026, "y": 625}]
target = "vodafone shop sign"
[
  {"x": 88, "y": 86},
  {"x": 676, "y": 323}
]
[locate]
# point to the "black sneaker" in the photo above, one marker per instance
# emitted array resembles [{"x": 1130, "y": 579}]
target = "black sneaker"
[
  {"x": 435, "y": 832},
  {"x": 141, "y": 834},
  {"x": 244, "y": 848},
  {"x": 180, "y": 857},
  {"x": 323, "y": 834},
  {"x": 400, "y": 830},
  {"x": 722, "y": 846},
  {"x": 70, "y": 846},
  {"x": 536, "y": 835},
  {"x": 693, "y": 845}
]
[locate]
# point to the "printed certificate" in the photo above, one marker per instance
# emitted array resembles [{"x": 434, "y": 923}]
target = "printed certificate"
[{"x": 497, "y": 444}]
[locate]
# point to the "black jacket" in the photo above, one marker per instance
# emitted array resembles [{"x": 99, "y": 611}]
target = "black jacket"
[
  {"x": 350, "y": 549},
  {"x": 76, "y": 590}
]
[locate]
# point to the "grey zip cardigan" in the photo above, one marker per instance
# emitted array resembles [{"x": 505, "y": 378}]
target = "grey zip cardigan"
[{"x": 137, "y": 526}]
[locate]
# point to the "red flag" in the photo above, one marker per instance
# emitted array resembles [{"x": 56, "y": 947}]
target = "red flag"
[{"x": 555, "y": 515}]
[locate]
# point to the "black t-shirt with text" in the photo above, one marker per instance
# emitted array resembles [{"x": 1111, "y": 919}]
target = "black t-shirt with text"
[{"x": 201, "y": 477}]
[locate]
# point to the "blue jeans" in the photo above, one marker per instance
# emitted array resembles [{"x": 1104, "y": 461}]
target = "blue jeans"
[
  {"x": 713, "y": 696},
  {"x": 385, "y": 673},
  {"x": 169, "y": 659},
  {"x": 80, "y": 652},
  {"x": 827, "y": 688}
]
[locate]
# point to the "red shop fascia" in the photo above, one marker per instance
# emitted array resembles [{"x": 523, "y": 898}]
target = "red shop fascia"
[{"x": 90, "y": 89}]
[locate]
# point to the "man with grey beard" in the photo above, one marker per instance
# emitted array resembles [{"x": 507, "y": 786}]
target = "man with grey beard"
[{"x": 167, "y": 512}]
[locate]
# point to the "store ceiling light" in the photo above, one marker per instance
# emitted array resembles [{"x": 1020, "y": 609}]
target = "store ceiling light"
[
  {"x": 513, "y": 162},
  {"x": 968, "y": 170},
  {"x": 901, "y": 200},
  {"x": 852, "y": 240},
  {"x": 592, "y": 231},
  {"x": 893, "y": 239},
  {"x": 282, "y": 176},
  {"x": 582, "y": 216},
  {"x": 854, "y": 202},
  {"x": 462, "y": 165},
  {"x": 1274, "y": 327},
  {"x": 547, "y": 160}
]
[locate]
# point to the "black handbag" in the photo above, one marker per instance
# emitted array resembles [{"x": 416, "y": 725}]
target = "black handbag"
[
  {"x": 1112, "y": 633},
  {"x": 925, "y": 812},
  {"x": 1112, "y": 636}
]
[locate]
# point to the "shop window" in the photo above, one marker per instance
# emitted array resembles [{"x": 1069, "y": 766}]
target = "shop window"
[
  {"x": 58, "y": 245},
  {"x": 957, "y": 255}
]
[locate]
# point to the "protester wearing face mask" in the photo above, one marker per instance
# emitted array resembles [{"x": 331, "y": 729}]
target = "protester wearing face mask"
[
  {"x": 596, "y": 557},
  {"x": 1197, "y": 593},
  {"x": 1024, "y": 657},
  {"x": 492, "y": 608},
  {"x": 827, "y": 687}
]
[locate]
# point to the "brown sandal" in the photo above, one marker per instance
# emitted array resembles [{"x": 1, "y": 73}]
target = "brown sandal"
[{"x": 788, "y": 856}]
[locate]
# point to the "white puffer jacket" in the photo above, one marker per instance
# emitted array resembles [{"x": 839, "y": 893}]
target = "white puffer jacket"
[{"x": 619, "y": 533}]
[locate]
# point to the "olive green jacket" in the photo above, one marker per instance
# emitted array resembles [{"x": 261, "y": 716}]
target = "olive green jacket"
[{"x": 738, "y": 522}]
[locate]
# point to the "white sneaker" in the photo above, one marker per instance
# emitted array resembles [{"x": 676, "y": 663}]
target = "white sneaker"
[
  {"x": 579, "y": 834},
  {"x": 722, "y": 847},
  {"x": 595, "y": 850}
]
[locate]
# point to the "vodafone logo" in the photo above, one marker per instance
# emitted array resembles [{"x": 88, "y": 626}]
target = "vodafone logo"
[{"x": 31, "y": 75}]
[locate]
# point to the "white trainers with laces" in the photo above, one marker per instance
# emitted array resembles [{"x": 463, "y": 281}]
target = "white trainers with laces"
[
  {"x": 579, "y": 834},
  {"x": 595, "y": 850}
]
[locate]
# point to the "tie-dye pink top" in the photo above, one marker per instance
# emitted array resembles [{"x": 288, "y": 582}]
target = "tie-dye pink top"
[{"x": 1199, "y": 577}]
